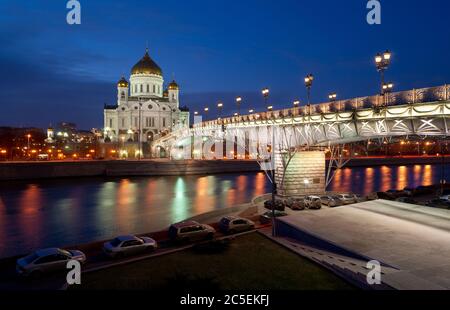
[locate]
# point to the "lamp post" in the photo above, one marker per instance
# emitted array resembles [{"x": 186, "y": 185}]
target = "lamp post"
[
  {"x": 308, "y": 83},
  {"x": 332, "y": 97},
  {"x": 219, "y": 108},
  {"x": 238, "y": 103},
  {"x": 382, "y": 61},
  {"x": 140, "y": 130},
  {"x": 265, "y": 92},
  {"x": 28, "y": 145},
  {"x": 387, "y": 88},
  {"x": 251, "y": 111}
]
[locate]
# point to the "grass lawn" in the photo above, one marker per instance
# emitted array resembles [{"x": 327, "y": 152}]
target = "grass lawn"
[{"x": 251, "y": 262}]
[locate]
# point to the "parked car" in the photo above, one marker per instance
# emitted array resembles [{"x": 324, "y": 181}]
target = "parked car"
[
  {"x": 46, "y": 261},
  {"x": 313, "y": 202},
  {"x": 331, "y": 201},
  {"x": 406, "y": 200},
  {"x": 296, "y": 204},
  {"x": 424, "y": 190},
  {"x": 266, "y": 218},
  {"x": 439, "y": 203},
  {"x": 347, "y": 198},
  {"x": 128, "y": 245},
  {"x": 445, "y": 197},
  {"x": 279, "y": 205},
  {"x": 358, "y": 198},
  {"x": 232, "y": 225},
  {"x": 191, "y": 231}
]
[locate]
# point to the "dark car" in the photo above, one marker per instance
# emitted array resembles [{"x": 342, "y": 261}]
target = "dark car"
[
  {"x": 279, "y": 205},
  {"x": 295, "y": 204},
  {"x": 266, "y": 218}
]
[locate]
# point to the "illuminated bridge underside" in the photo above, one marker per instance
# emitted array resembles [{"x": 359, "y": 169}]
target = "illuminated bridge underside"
[{"x": 422, "y": 119}]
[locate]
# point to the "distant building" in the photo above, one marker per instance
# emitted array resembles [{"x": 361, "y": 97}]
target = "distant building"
[{"x": 144, "y": 107}]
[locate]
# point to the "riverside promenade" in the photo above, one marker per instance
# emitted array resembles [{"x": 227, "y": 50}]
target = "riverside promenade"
[{"x": 120, "y": 168}]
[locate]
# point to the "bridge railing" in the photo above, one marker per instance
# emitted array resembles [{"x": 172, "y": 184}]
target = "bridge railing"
[{"x": 430, "y": 94}]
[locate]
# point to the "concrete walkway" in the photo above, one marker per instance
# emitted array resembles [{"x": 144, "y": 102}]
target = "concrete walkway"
[{"x": 413, "y": 240}]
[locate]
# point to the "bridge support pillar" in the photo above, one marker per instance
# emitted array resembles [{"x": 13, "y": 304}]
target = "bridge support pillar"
[{"x": 305, "y": 174}]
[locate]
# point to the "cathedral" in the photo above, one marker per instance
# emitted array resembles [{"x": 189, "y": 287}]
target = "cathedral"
[{"x": 144, "y": 109}]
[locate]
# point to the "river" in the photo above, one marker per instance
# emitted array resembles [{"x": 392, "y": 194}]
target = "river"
[{"x": 61, "y": 212}]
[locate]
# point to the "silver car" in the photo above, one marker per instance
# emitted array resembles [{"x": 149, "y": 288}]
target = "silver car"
[
  {"x": 191, "y": 231},
  {"x": 232, "y": 225},
  {"x": 331, "y": 201},
  {"x": 313, "y": 202},
  {"x": 128, "y": 245},
  {"x": 347, "y": 198},
  {"x": 46, "y": 261}
]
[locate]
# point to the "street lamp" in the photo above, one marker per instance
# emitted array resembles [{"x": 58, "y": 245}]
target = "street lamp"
[
  {"x": 296, "y": 103},
  {"x": 382, "y": 62},
  {"x": 265, "y": 92},
  {"x": 29, "y": 137},
  {"x": 251, "y": 111},
  {"x": 238, "y": 103},
  {"x": 308, "y": 83},
  {"x": 220, "y": 107},
  {"x": 387, "y": 88},
  {"x": 196, "y": 113},
  {"x": 332, "y": 97}
]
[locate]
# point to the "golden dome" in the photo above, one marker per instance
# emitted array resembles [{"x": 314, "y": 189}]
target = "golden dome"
[
  {"x": 173, "y": 86},
  {"x": 146, "y": 66},
  {"x": 122, "y": 83}
]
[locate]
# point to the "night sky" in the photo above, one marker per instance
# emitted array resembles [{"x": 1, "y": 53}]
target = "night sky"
[{"x": 51, "y": 71}]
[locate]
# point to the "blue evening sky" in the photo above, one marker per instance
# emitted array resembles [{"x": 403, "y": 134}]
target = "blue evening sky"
[{"x": 216, "y": 49}]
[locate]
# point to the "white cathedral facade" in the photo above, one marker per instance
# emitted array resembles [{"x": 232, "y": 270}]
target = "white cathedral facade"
[{"x": 144, "y": 107}]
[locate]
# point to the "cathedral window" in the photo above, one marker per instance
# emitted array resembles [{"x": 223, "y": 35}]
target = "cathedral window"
[
  {"x": 164, "y": 122},
  {"x": 136, "y": 122},
  {"x": 154, "y": 88},
  {"x": 110, "y": 123},
  {"x": 148, "y": 88},
  {"x": 123, "y": 95},
  {"x": 142, "y": 88}
]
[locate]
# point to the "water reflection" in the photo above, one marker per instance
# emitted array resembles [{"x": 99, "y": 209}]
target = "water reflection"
[
  {"x": 61, "y": 212},
  {"x": 366, "y": 180}
]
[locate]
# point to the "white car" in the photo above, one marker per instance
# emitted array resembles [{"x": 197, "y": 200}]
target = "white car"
[
  {"x": 47, "y": 260},
  {"x": 445, "y": 197},
  {"x": 313, "y": 202},
  {"x": 128, "y": 245},
  {"x": 347, "y": 198},
  {"x": 232, "y": 225}
]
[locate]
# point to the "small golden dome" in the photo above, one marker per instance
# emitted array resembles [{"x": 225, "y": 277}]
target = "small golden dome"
[
  {"x": 173, "y": 86},
  {"x": 122, "y": 83},
  {"x": 146, "y": 66}
]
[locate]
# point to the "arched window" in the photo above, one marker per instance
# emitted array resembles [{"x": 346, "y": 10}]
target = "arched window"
[
  {"x": 142, "y": 88},
  {"x": 148, "y": 88},
  {"x": 122, "y": 95},
  {"x": 154, "y": 88}
]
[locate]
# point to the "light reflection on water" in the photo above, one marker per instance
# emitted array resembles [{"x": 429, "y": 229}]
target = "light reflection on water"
[{"x": 64, "y": 212}]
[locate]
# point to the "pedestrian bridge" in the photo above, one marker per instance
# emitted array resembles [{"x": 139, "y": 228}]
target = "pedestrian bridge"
[{"x": 418, "y": 112}]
